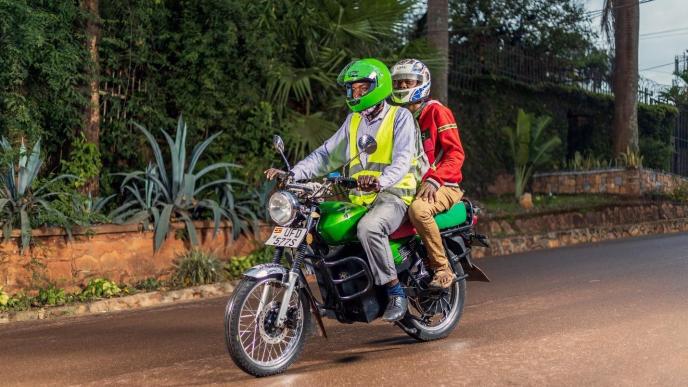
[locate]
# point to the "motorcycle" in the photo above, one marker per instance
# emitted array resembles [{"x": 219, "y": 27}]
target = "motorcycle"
[{"x": 273, "y": 309}]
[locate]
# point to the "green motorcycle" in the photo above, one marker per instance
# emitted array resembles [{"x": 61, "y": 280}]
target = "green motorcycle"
[{"x": 274, "y": 307}]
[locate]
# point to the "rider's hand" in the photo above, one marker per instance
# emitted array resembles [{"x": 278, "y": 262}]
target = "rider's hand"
[
  {"x": 369, "y": 184},
  {"x": 427, "y": 192},
  {"x": 273, "y": 173}
]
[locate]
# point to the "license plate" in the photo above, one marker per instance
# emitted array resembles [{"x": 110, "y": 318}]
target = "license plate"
[{"x": 286, "y": 237}]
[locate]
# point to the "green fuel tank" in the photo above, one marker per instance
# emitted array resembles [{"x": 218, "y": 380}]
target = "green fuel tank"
[{"x": 338, "y": 221}]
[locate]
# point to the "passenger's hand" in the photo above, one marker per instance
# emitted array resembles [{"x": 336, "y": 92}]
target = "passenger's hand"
[
  {"x": 427, "y": 192},
  {"x": 273, "y": 173},
  {"x": 369, "y": 184}
]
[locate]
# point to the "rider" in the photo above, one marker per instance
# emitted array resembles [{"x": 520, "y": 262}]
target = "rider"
[
  {"x": 439, "y": 189},
  {"x": 385, "y": 181}
]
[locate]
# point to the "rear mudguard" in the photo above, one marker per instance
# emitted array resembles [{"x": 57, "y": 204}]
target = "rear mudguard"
[
  {"x": 280, "y": 273},
  {"x": 457, "y": 246}
]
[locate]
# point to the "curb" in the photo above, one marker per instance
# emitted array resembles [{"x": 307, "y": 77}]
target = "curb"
[{"x": 135, "y": 301}]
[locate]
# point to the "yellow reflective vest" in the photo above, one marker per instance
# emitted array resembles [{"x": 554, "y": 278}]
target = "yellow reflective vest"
[{"x": 377, "y": 161}]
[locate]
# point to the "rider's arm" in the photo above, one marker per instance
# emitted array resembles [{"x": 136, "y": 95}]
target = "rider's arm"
[
  {"x": 448, "y": 168},
  {"x": 328, "y": 157},
  {"x": 403, "y": 151}
]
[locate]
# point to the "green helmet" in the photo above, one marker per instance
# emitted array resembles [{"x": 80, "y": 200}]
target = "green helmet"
[{"x": 366, "y": 70}]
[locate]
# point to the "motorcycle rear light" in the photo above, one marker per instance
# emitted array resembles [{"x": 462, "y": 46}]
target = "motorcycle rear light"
[{"x": 475, "y": 220}]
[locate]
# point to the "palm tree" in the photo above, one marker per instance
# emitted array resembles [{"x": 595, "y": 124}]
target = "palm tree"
[
  {"x": 624, "y": 16},
  {"x": 303, "y": 88},
  {"x": 438, "y": 35}
]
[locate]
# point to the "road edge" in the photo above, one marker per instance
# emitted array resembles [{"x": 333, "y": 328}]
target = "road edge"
[{"x": 134, "y": 301}]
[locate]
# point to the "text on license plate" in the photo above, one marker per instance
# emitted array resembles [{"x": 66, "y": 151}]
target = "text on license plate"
[{"x": 286, "y": 237}]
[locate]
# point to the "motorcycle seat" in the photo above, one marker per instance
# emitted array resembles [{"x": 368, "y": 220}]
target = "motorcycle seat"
[{"x": 453, "y": 217}]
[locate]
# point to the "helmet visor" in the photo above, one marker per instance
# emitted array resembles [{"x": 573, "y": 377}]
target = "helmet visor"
[
  {"x": 350, "y": 89},
  {"x": 402, "y": 76}
]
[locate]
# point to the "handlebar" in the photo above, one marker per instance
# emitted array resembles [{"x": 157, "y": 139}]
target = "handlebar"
[{"x": 346, "y": 182}]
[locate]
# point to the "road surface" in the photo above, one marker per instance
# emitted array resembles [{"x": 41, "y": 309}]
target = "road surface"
[{"x": 613, "y": 313}]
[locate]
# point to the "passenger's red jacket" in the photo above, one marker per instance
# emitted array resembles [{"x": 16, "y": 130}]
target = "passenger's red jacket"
[{"x": 442, "y": 144}]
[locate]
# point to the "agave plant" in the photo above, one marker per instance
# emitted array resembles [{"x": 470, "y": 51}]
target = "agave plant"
[
  {"x": 18, "y": 202},
  {"x": 173, "y": 192},
  {"x": 239, "y": 208}
]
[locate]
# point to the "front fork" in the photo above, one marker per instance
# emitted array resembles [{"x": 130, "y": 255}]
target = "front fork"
[{"x": 293, "y": 273}]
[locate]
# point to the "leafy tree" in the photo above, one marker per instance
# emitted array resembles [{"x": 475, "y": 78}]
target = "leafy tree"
[
  {"x": 42, "y": 58},
  {"x": 543, "y": 27}
]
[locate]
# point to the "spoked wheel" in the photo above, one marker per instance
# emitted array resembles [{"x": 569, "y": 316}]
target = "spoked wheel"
[
  {"x": 253, "y": 340},
  {"x": 433, "y": 314}
]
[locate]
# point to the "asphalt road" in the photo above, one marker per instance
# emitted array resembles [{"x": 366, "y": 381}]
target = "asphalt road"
[{"x": 613, "y": 313}]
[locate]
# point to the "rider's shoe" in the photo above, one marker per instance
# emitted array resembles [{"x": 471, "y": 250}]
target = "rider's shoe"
[
  {"x": 396, "y": 309},
  {"x": 443, "y": 278}
]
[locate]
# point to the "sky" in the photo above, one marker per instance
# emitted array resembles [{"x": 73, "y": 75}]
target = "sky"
[{"x": 656, "y": 49}]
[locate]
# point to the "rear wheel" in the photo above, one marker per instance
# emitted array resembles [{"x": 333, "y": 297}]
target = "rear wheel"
[{"x": 433, "y": 314}]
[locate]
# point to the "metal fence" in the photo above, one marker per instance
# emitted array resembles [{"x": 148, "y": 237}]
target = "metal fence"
[
  {"x": 469, "y": 66},
  {"x": 679, "y": 140}
]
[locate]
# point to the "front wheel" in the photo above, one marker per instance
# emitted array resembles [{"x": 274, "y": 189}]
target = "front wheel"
[
  {"x": 433, "y": 315},
  {"x": 255, "y": 343}
]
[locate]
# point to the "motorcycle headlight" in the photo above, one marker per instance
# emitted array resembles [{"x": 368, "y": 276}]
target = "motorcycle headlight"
[{"x": 283, "y": 207}]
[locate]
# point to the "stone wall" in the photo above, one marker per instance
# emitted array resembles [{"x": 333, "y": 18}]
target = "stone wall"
[
  {"x": 122, "y": 253},
  {"x": 619, "y": 181},
  {"x": 603, "y": 216},
  {"x": 564, "y": 228},
  {"x": 525, "y": 243}
]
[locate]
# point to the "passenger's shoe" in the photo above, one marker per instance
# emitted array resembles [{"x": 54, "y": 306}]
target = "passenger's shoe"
[
  {"x": 396, "y": 309},
  {"x": 443, "y": 279}
]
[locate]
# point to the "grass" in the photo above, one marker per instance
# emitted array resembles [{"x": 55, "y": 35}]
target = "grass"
[{"x": 508, "y": 206}]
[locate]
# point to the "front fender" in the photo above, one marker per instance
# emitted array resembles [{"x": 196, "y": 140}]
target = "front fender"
[{"x": 267, "y": 270}]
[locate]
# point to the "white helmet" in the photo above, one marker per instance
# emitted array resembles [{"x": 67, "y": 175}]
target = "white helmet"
[{"x": 410, "y": 69}]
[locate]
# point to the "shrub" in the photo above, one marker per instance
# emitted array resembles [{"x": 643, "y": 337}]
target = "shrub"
[
  {"x": 84, "y": 162},
  {"x": 149, "y": 284},
  {"x": 99, "y": 288},
  {"x": 529, "y": 147},
  {"x": 4, "y": 297},
  {"x": 238, "y": 265},
  {"x": 197, "y": 267},
  {"x": 680, "y": 193},
  {"x": 51, "y": 295},
  {"x": 630, "y": 159}
]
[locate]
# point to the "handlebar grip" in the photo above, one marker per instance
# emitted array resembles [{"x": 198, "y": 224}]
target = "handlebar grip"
[{"x": 348, "y": 183}]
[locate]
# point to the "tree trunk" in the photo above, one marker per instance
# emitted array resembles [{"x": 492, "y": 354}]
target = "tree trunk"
[
  {"x": 438, "y": 35},
  {"x": 91, "y": 126},
  {"x": 625, "y": 78}
]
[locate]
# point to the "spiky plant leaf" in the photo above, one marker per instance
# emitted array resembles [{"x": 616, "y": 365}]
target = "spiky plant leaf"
[{"x": 162, "y": 225}]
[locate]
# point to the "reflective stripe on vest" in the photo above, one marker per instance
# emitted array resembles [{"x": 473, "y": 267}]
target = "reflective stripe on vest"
[{"x": 378, "y": 161}]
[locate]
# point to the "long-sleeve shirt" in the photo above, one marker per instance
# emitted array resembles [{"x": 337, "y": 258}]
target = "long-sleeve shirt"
[
  {"x": 442, "y": 144},
  {"x": 335, "y": 151}
]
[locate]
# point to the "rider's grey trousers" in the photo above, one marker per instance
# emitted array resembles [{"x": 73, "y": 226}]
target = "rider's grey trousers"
[{"x": 384, "y": 217}]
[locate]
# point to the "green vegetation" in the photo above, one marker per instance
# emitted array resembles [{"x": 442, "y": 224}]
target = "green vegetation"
[
  {"x": 236, "y": 266},
  {"x": 529, "y": 147},
  {"x": 197, "y": 267},
  {"x": 20, "y": 199},
  {"x": 99, "y": 288},
  {"x": 177, "y": 190},
  {"x": 507, "y": 206},
  {"x": 4, "y": 298}
]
